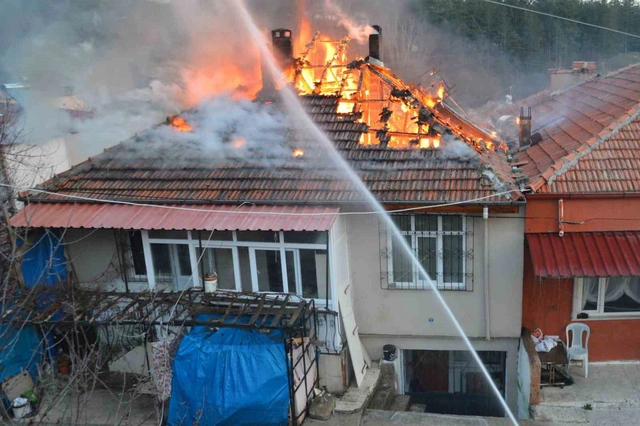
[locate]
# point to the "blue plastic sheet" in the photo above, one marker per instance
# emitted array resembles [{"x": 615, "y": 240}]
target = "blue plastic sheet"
[
  {"x": 229, "y": 377},
  {"x": 20, "y": 349},
  {"x": 44, "y": 262}
]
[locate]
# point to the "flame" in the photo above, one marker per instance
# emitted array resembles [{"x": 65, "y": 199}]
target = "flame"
[
  {"x": 297, "y": 153},
  {"x": 345, "y": 107},
  {"x": 210, "y": 80},
  {"x": 239, "y": 142},
  {"x": 179, "y": 123},
  {"x": 436, "y": 142},
  {"x": 441, "y": 92},
  {"x": 425, "y": 143}
]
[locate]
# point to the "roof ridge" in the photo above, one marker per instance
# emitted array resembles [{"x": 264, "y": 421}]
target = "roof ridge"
[{"x": 566, "y": 162}]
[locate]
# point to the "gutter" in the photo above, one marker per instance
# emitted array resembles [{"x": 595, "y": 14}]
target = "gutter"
[
  {"x": 548, "y": 196},
  {"x": 485, "y": 270}
]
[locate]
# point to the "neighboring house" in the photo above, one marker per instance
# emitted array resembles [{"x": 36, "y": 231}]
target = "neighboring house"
[
  {"x": 302, "y": 227},
  {"x": 582, "y": 255}
]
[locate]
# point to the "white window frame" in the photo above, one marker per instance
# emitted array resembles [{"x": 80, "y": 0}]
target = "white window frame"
[
  {"x": 599, "y": 313},
  {"x": 234, "y": 244},
  {"x": 416, "y": 283}
]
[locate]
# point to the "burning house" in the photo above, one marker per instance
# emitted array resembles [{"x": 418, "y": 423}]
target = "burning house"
[{"x": 268, "y": 212}]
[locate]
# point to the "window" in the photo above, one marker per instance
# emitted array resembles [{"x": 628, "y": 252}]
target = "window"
[
  {"x": 438, "y": 242},
  {"x": 289, "y": 262},
  {"x": 602, "y": 297}
]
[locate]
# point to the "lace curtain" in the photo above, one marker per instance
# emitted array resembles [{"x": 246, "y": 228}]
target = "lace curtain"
[{"x": 615, "y": 288}]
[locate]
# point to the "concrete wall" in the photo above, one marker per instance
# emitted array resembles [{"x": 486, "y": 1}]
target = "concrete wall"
[
  {"x": 524, "y": 382},
  {"x": 418, "y": 313}
]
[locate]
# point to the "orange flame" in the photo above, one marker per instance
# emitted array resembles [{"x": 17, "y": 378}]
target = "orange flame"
[
  {"x": 297, "y": 153},
  {"x": 179, "y": 123}
]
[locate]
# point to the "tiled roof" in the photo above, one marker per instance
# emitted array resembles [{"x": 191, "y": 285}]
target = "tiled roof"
[
  {"x": 393, "y": 175},
  {"x": 576, "y": 121}
]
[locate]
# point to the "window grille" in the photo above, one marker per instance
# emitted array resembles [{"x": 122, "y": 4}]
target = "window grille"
[{"x": 442, "y": 244}]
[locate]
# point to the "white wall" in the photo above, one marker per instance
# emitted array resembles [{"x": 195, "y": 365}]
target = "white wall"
[
  {"x": 417, "y": 312},
  {"x": 524, "y": 382}
]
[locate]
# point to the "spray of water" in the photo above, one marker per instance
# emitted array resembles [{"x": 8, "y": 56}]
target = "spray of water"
[{"x": 294, "y": 106}]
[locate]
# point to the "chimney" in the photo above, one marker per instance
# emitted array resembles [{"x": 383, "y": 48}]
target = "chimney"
[
  {"x": 562, "y": 78},
  {"x": 375, "y": 45},
  {"x": 524, "y": 127},
  {"x": 282, "y": 47}
]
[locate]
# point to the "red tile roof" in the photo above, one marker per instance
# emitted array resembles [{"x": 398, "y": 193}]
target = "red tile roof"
[
  {"x": 179, "y": 217},
  {"x": 576, "y": 121},
  {"x": 392, "y": 175},
  {"x": 585, "y": 254}
]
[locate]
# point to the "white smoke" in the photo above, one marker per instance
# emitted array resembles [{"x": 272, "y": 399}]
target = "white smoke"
[
  {"x": 452, "y": 148},
  {"x": 357, "y": 31}
]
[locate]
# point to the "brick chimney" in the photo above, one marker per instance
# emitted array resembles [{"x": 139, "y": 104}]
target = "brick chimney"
[
  {"x": 282, "y": 48},
  {"x": 562, "y": 78},
  {"x": 524, "y": 127},
  {"x": 375, "y": 46}
]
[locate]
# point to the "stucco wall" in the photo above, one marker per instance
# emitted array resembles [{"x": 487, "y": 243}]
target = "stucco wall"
[{"x": 417, "y": 312}]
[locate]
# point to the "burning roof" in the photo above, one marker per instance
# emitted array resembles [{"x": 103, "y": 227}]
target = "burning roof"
[{"x": 405, "y": 142}]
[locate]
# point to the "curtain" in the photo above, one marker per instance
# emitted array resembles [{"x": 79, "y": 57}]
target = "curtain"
[
  {"x": 589, "y": 291},
  {"x": 633, "y": 289},
  {"x": 615, "y": 288}
]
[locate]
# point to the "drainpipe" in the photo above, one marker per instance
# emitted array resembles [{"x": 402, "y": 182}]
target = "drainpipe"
[
  {"x": 485, "y": 269},
  {"x": 561, "y": 217}
]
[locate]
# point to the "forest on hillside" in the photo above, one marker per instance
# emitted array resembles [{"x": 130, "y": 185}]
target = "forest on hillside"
[{"x": 511, "y": 50}]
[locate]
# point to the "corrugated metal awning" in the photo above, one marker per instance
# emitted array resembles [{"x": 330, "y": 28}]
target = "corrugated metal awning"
[
  {"x": 585, "y": 254},
  {"x": 182, "y": 217}
]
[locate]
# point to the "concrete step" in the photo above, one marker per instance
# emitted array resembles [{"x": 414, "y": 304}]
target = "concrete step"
[
  {"x": 400, "y": 403},
  {"x": 560, "y": 413},
  {"x": 383, "y": 397},
  {"x": 356, "y": 398}
]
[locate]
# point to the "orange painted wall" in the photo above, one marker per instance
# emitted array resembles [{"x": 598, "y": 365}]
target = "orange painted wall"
[
  {"x": 547, "y": 304},
  {"x": 606, "y": 214}
]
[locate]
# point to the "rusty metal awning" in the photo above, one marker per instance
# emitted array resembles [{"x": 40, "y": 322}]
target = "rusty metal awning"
[
  {"x": 585, "y": 254},
  {"x": 176, "y": 217}
]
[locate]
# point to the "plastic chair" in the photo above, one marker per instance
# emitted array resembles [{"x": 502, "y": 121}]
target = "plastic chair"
[{"x": 575, "y": 350}]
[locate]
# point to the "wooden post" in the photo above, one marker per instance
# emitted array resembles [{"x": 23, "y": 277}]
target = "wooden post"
[{"x": 14, "y": 249}]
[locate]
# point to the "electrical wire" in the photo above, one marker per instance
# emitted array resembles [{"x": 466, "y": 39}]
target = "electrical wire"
[
  {"x": 190, "y": 209},
  {"x": 550, "y": 15}
]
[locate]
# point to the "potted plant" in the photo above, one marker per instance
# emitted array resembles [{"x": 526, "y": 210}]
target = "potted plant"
[{"x": 210, "y": 282}]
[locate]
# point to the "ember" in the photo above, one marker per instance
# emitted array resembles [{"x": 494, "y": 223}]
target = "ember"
[
  {"x": 298, "y": 153},
  {"x": 179, "y": 123}
]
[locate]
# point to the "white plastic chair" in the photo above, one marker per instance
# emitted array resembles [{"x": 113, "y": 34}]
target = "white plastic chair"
[{"x": 575, "y": 350}]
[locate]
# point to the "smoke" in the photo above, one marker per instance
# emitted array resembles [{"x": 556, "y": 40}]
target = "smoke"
[
  {"x": 454, "y": 149},
  {"x": 358, "y": 32}
]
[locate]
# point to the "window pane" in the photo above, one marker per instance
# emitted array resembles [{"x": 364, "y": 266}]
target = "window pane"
[
  {"x": 183, "y": 259},
  {"x": 168, "y": 235},
  {"x": 260, "y": 236},
  {"x": 622, "y": 294},
  {"x": 137, "y": 253},
  {"x": 245, "y": 269},
  {"x": 291, "y": 271},
  {"x": 428, "y": 256},
  {"x": 403, "y": 222},
  {"x": 313, "y": 268},
  {"x": 269, "y": 270},
  {"x": 306, "y": 237},
  {"x": 220, "y": 262},
  {"x": 452, "y": 223},
  {"x": 426, "y": 223},
  {"x": 213, "y": 236},
  {"x": 161, "y": 255},
  {"x": 402, "y": 262},
  {"x": 452, "y": 258},
  {"x": 590, "y": 294}
]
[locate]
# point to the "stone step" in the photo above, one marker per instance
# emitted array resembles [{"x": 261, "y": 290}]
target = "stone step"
[
  {"x": 382, "y": 398},
  {"x": 400, "y": 403}
]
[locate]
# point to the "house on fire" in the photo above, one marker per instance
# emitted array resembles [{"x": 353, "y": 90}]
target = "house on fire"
[{"x": 156, "y": 214}]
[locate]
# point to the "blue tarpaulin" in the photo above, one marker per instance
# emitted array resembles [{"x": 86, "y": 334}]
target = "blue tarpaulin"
[
  {"x": 20, "y": 349},
  {"x": 230, "y": 377},
  {"x": 44, "y": 261}
]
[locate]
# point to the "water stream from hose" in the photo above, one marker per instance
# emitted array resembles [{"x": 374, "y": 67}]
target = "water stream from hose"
[{"x": 293, "y": 105}]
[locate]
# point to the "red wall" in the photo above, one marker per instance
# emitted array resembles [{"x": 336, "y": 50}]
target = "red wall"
[{"x": 547, "y": 304}]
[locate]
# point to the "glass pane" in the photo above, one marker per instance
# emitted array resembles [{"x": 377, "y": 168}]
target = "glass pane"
[
  {"x": 452, "y": 223},
  {"x": 426, "y": 223},
  {"x": 590, "y": 294},
  {"x": 291, "y": 271},
  {"x": 212, "y": 236},
  {"x": 220, "y": 262},
  {"x": 183, "y": 259},
  {"x": 306, "y": 237},
  {"x": 245, "y": 269},
  {"x": 269, "y": 270},
  {"x": 260, "y": 236},
  {"x": 161, "y": 255},
  {"x": 428, "y": 256},
  {"x": 137, "y": 253},
  {"x": 402, "y": 262},
  {"x": 622, "y": 294},
  {"x": 403, "y": 222},
  {"x": 313, "y": 268},
  {"x": 452, "y": 258},
  {"x": 169, "y": 235}
]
